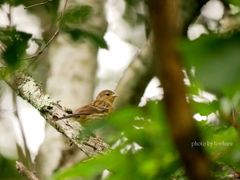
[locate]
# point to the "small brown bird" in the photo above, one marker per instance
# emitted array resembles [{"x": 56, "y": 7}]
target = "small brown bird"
[{"x": 98, "y": 109}]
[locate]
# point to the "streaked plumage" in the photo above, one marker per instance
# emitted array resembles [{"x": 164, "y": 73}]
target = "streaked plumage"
[{"x": 98, "y": 109}]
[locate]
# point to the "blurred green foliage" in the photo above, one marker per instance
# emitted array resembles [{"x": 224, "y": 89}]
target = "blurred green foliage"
[
  {"x": 77, "y": 14},
  {"x": 133, "y": 13},
  {"x": 12, "y": 2},
  {"x": 15, "y": 44},
  {"x": 235, "y": 2},
  {"x": 52, "y": 6},
  {"x": 78, "y": 34},
  {"x": 8, "y": 170},
  {"x": 140, "y": 137},
  {"x": 204, "y": 108},
  {"x": 78, "y": 24},
  {"x": 216, "y": 61},
  {"x": 143, "y": 148}
]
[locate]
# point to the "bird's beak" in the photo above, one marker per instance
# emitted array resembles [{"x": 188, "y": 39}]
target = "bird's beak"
[{"x": 115, "y": 95}]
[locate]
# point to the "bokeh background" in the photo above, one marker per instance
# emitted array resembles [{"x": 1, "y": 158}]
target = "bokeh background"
[{"x": 98, "y": 41}]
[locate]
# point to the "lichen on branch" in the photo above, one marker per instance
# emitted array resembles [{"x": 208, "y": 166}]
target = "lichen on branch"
[{"x": 28, "y": 89}]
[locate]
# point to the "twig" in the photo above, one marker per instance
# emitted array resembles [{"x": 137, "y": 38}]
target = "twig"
[
  {"x": 39, "y": 4},
  {"x": 137, "y": 76},
  {"x": 63, "y": 11},
  {"x": 9, "y": 15},
  {"x": 232, "y": 175},
  {"x": 237, "y": 173},
  {"x": 52, "y": 38},
  {"x": 231, "y": 118},
  {"x": 233, "y": 115},
  {"x": 25, "y": 172},
  {"x": 2, "y": 48},
  {"x": 27, "y": 157},
  {"x": 41, "y": 51},
  {"x": 64, "y": 8}
]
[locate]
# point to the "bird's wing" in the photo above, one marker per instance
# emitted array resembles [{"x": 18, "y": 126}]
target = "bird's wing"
[
  {"x": 86, "y": 110},
  {"x": 93, "y": 108}
]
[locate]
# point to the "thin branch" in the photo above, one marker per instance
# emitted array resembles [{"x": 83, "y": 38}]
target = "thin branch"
[
  {"x": 2, "y": 48},
  {"x": 237, "y": 173},
  {"x": 23, "y": 170},
  {"x": 39, "y": 4},
  {"x": 9, "y": 15},
  {"x": 27, "y": 157},
  {"x": 137, "y": 76},
  {"x": 231, "y": 176},
  {"x": 52, "y": 38},
  {"x": 233, "y": 115},
  {"x": 64, "y": 8},
  {"x": 26, "y": 87},
  {"x": 20, "y": 153},
  {"x": 63, "y": 11},
  {"x": 41, "y": 51},
  {"x": 231, "y": 118}
]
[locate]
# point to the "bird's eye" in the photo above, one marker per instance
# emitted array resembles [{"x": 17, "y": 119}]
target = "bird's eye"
[{"x": 108, "y": 94}]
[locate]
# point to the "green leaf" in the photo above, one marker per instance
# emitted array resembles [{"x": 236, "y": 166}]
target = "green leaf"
[
  {"x": 12, "y": 2},
  {"x": 221, "y": 142},
  {"x": 132, "y": 2},
  {"x": 226, "y": 167},
  {"x": 205, "y": 109},
  {"x": 3, "y": 1},
  {"x": 131, "y": 14},
  {"x": 77, "y": 14},
  {"x": 83, "y": 169},
  {"x": 8, "y": 170},
  {"x": 15, "y": 43},
  {"x": 216, "y": 61},
  {"x": 97, "y": 39},
  {"x": 235, "y": 2},
  {"x": 156, "y": 159},
  {"x": 179, "y": 174},
  {"x": 39, "y": 42},
  {"x": 77, "y": 23},
  {"x": 132, "y": 17},
  {"x": 78, "y": 34}
]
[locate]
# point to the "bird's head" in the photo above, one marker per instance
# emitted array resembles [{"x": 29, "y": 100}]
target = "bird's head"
[{"x": 107, "y": 95}]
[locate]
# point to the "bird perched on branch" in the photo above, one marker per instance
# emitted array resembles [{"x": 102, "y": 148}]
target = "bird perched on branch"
[{"x": 98, "y": 109}]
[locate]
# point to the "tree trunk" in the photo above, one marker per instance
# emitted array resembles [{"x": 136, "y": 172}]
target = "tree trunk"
[{"x": 73, "y": 67}]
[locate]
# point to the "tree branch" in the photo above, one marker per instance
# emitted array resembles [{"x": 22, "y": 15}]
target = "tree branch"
[
  {"x": 136, "y": 77},
  {"x": 35, "y": 56},
  {"x": 39, "y": 4},
  {"x": 166, "y": 23},
  {"x": 26, "y": 87},
  {"x": 25, "y": 172},
  {"x": 51, "y": 39},
  {"x": 27, "y": 157},
  {"x": 44, "y": 47}
]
